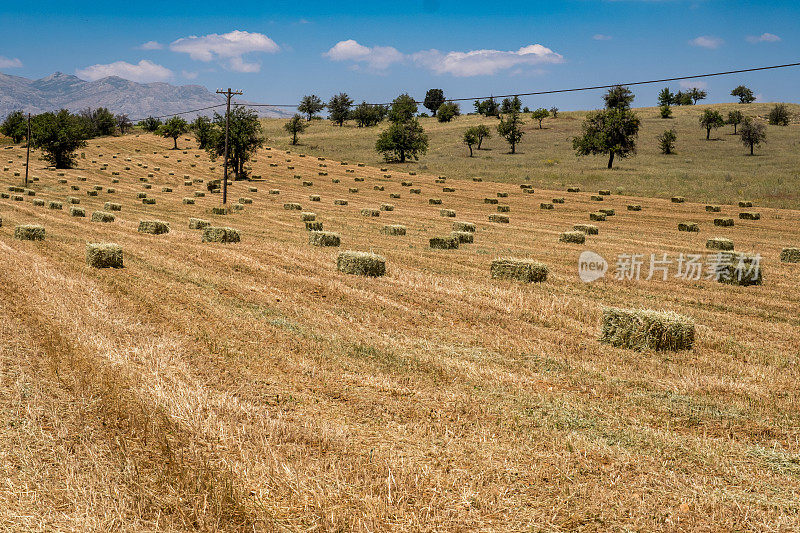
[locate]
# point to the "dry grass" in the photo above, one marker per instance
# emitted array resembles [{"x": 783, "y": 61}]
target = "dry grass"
[{"x": 261, "y": 389}]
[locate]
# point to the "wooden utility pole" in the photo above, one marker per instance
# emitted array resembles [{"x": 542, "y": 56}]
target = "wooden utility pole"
[
  {"x": 28, "y": 155},
  {"x": 228, "y": 94}
]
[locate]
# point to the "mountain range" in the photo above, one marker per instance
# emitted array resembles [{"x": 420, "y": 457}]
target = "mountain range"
[{"x": 138, "y": 100}]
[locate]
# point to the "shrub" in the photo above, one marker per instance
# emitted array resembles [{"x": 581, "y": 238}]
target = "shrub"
[
  {"x": 779, "y": 115},
  {"x": 719, "y": 243},
  {"x": 666, "y": 142},
  {"x": 444, "y": 243},
  {"x": 29, "y": 233},
  {"x": 588, "y": 229},
  {"x": 448, "y": 111},
  {"x": 576, "y": 237},
  {"x": 393, "y": 229},
  {"x": 361, "y": 263},
  {"x": 104, "y": 255},
  {"x": 519, "y": 269},
  {"x": 102, "y": 216},
  {"x": 223, "y": 235},
  {"x": 642, "y": 329},
  {"x": 323, "y": 238}
]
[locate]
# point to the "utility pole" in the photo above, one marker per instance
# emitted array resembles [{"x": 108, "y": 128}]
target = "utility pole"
[
  {"x": 228, "y": 94},
  {"x": 28, "y": 155}
]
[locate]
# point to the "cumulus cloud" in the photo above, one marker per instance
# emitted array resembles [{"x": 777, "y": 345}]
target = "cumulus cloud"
[
  {"x": 189, "y": 75},
  {"x": 377, "y": 57},
  {"x": 151, "y": 45},
  {"x": 228, "y": 47},
  {"x": 601, "y": 37},
  {"x": 7, "y": 62},
  {"x": 763, "y": 38},
  {"x": 707, "y": 41},
  {"x": 144, "y": 71},
  {"x": 484, "y": 62}
]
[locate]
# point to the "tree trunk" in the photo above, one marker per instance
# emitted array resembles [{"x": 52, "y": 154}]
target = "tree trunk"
[
  {"x": 752, "y": 145},
  {"x": 402, "y": 156},
  {"x": 513, "y": 148},
  {"x": 734, "y": 128},
  {"x": 708, "y": 134},
  {"x": 175, "y": 140},
  {"x": 610, "y": 159},
  {"x": 480, "y": 140},
  {"x": 294, "y": 138},
  {"x": 470, "y": 150}
]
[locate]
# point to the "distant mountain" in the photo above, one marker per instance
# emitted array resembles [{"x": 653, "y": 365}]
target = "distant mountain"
[{"x": 138, "y": 100}]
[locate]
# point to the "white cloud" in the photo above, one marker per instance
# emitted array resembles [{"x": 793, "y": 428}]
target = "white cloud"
[
  {"x": 7, "y": 62},
  {"x": 151, "y": 45},
  {"x": 707, "y": 41},
  {"x": 689, "y": 84},
  {"x": 189, "y": 75},
  {"x": 484, "y": 62},
  {"x": 230, "y": 47},
  {"x": 378, "y": 57},
  {"x": 763, "y": 38},
  {"x": 601, "y": 37},
  {"x": 144, "y": 71}
]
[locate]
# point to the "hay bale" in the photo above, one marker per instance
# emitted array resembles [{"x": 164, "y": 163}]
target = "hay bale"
[
  {"x": 220, "y": 210},
  {"x": 503, "y": 194},
  {"x": 597, "y": 217},
  {"x": 496, "y": 217},
  {"x": 252, "y": 189},
  {"x": 199, "y": 194},
  {"x": 518, "y": 269},
  {"x": 38, "y": 203},
  {"x": 308, "y": 217},
  {"x": 492, "y": 201},
  {"x": 223, "y": 235},
  {"x": 597, "y": 198},
  {"x": 448, "y": 189},
  {"x": 111, "y": 206},
  {"x": 737, "y": 269},
  {"x": 677, "y": 199},
  {"x": 464, "y": 237},
  {"x": 111, "y": 190},
  {"x": 18, "y": 198},
  {"x": 745, "y": 204},
  {"x": 245, "y": 201},
  {"x": 575, "y": 237},
  {"x": 405, "y": 183},
  {"x": 308, "y": 184},
  {"x": 503, "y": 208},
  {"x": 645, "y": 329},
  {"x": 634, "y": 207},
  {"x": 274, "y": 191},
  {"x": 91, "y": 193},
  {"x": 444, "y": 243},
  {"x": 353, "y": 190},
  {"x": 525, "y": 186},
  {"x": 394, "y": 229},
  {"x": 719, "y": 243},
  {"x": 324, "y": 238},
  {"x": 77, "y": 212},
  {"x": 313, "y": 226},
  {"x": 141, "y": 195},
  {"x": 723, "y": 222},
  {"x": 292, "y": 206},
  {"x": 188, "y": 201},
  {"x": 335, "y": 180},
  {"x": 339, "y": 201},
  {"x": 377, "y": 188},
  {"x": 387, "y": 207},
  {"x": 558, "y": 200},
  {"x": 104, "y": 255},
  {"x": 688, "y": 226},
  {"x": 394, "y": 195},
  {"x": 72, "y": 200},
  {"x": 588, "y": 229},
  {"x": 604, "y": 192},
  {"x": 464, "y": 226},
  {"x": 29, "y": 232},
  {"x": 415, "y": 191},
  {"x": 750, "y": 215},
  {"x": 545, "y": 205},
  {"x": 447, "y": 213},
  {"x": 149, "y": 201},
  {"x": 573, "y": 189},
  {"x": 713, "y": 208},
  {"x": 198, "y": 223},
  {"x": 361, "y": 263},
  {"x": 790, "y": 255},
  {"x": 607, "y": 212},
  {"x": 434, "y": 201},
  {"x": 366, "y": 212},
  {"x": 153, "y": 227}
]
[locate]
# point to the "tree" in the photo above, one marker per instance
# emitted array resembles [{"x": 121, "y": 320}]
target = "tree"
[
  {"x": 511, "y": 105},
  {"x": 609, "y": 131},
  {"x": 735, "y": 118},
  {"x": 488, "y": 107},
  {"x": 98, "y": 122},
  {"x": 711, "y": 119},
  {"x": 434, "y": 99},
  {"x": 310, "y": 105},
  {"x": 174, "y": 128},
  {"x": 745, "y": 95},
  {"x": 618, "y": 97},
  {"x": 339, "y": 108},
  {"x": 403, "y": 109},
  {"x": 696, "y": 94},
  {"x": 526, "y": 110},
  {"x": 470, "y": 138},
  {"x": 245, "y": 137},
  {"x": 295, "y": 125},
  {"x": 666, "y": 141},
  {"x": 15, "y": 126},
  {"x": 666, "y": 111},
  {"x": 124, "y": 124},
  {"x": 204, "y": 131},
  {"x": 682, "y": 98},
  {"x": 58, "y": 135},
  {"x": 367, "y": 115},
  {"x": 779, "y": 115},
  {"x": 483, "y": 132},
  {"x": 448, "y": 111},
  {"x": 402, "y": 140},
  {"x": 540, "y": 114},
  {"x": 150, "y": 124},
  {"x": 666, "y": 97},
  {"x": 752, "y": 133},
  {"x": 554, "y": 111},
  {"x": 510, "y": 128}
]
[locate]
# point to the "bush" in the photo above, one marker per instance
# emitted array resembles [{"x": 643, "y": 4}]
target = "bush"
[
  {"x": 666, "y": 142},
  {"x": 448, "y": 111},
  {"x": 779, "y": 115}
]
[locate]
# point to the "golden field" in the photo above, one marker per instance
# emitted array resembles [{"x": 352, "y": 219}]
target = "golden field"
[{"x": 252, "y": 387}]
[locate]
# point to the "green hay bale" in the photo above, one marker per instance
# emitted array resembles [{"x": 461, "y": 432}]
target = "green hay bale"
[
  {"x": 790, "y": 255},
  {"x": 220, "y": 210},
  {"x": 523, "y": 270},
  {"x": 62, "y": 181},
  {"x": 353, "y": 190},
  {"x": 503, "y": 208},
  {"x": 573, "y": 189},
  {"x": 713, "y": 208},
  {"x": 597, "y": 198},
  {"x": 18, "y": 198},
  {"x": 245, "y": 201},
  {"x": 491, "y": 201},
  {"x": 111, "y": 190},
  {"x": 166, "y": 189},
  {"x": 91, "y": 193},
  {"x": 719, "y": 243},
  {"x": 308, "y": 217},
  {"x": 464, "y": 237},
  {"x": 199, "y": 194},
  {"x": 28, "y": 232},
  {"x": 252, "y": 189},
  {"x": 30, "y": 192},
  {"x": 115, "y": 180},
  {"x": 74, "y": 188},
  {"x": 104, "y": 255},
  {"x": 677, "y": 199},
  {"x": 597, "y": 217},
  {"x": 545, "y": 205},
  {"x": 575, "y": 237},
  {"x": 749, "y": 215},
  {"x": 447, "y": 213},
  {"x": 464, "y": 226},
  {"x": 501, "y": 219},
  {"x": 502, "y": 194},
  {"x": 141, "y": 195},
  {"x": 558, "y": 200},
  {"x": 314, "y": 226},
  {"x": 98, "y": 188},
  {"x": 149, "y": 201},
  {"x": 335, "y": 180},
  {"x": 634, "y": 207},
  {"x": 4, "y": 195},
  {"x": 415, "y": 191},
  {"x": 448, "y": 189},
  {"x": 198, "y": 223},
  {"x": 308, "y": 184},
  {"x": 38, "y": 203},
  {"x": 688, "y": 226},
  {"x": 111, "y": 206},
  {"x": 377, "y": 188},
  {"x": 588, "y": 229},
  {"x": 444, "y": 243},
  {"x": 607, "y": 212},
  {"x": 370, "y": 213},
  {"x": 77, "y": 212},
  {"x": 524, "y": 186},
  {"x": 361, "y": 263},
  {"x": 324, "y": 238},
  {"x": 738, "y": 269},
  {"x": 406, "y": 184},
  {"x": 339, "y": 201},
  {"x": 153, "y": 227},
  {"x": 102, "y": 216},
  {"x": 188, "y": 201},
  {"x": 745, "y": 204},
  {"x": 604, "y": 192},
  {"x": 434, "y": 201},
  {"x": 644, "y": 329},
  {"x": 223, "y": 235},
  {"x": 274, "y": 191},
  {"x": 387, "y": 207},
  {"x": 723, "y": 222},
  {"x": 55, "y": 205},
  {"x": 394, "y": 229},
  {"x": 187, "y": 183},
  {"x": 442, "y": 180},
  {"x": 394, "y": 195},
  {"x": 292, "y": 206}
]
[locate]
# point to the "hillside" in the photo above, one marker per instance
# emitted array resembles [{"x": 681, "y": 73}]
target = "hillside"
[{"x": 706, "y": 171}]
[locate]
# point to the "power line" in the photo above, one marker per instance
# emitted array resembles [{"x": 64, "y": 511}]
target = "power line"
[{"x": 181, "y": 112}]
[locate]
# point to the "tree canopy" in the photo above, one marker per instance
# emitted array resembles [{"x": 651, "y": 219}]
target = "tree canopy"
[{"x": 58, "y": 135}]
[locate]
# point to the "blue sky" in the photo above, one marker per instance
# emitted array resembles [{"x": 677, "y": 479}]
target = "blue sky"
[{"x": 278, "y": 51}]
